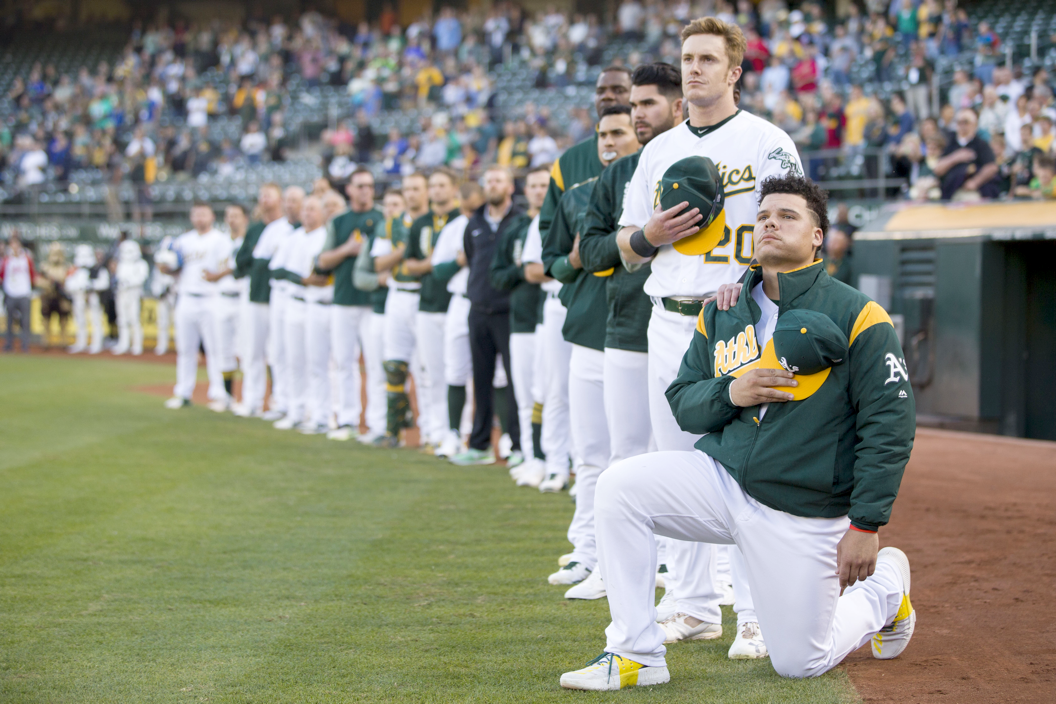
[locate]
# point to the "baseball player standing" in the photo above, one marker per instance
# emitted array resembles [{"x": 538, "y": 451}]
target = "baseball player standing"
[
  {"x": 507, "y": 274},
  {"x": 746, "y": 149},
  {"x": 163, "y": 288},
  {"x": 261, "y": 241},
  {"x": 656, "y": 107},
  {"x": 350, "y": 312},
  {"x": 292, "y": 200},
  {"x": 202, "y": 249},
  {"x": 433, "y": 302},
  {"x": 228, "y": 311},
  {"x": 583, "y": 295},
  {"x": 805, "y": 416}
]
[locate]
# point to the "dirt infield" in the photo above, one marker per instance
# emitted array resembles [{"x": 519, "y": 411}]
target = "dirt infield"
[{"x": 976, "y": 515}]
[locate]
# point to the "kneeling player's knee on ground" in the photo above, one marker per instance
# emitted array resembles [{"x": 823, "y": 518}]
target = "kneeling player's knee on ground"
[{"x": 395, "y": 373}]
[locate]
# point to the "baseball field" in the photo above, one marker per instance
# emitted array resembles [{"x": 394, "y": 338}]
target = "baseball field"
[{"x": 148, "y": 555}]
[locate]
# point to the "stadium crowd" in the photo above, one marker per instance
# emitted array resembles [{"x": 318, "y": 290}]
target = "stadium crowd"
[{"x": 147, "y": 115}]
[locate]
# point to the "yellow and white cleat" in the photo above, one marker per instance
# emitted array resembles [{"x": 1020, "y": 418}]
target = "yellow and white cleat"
[
  {"x": 893, "y": 639},
  {"x": 609, "y": 672}
]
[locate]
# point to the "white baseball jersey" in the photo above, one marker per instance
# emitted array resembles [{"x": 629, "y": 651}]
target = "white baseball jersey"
[
  {"x": 533, "y": 253},
  {"x": 311, "y": 248},
  {"x": 229, "y": 284},
  {"x": 201, "y": 253},
  {"x": 271, "y": 239},
  {"x": 285, "y": 252},
  {"x": 448, "y": 245},
  {"x": 747, "y": 150}
]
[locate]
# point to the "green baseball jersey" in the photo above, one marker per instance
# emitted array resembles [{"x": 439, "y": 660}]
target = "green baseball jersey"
[
  {"x": 507, "y": 274},
  {"x": 577, "y": 164},
  {"x": 359, "y": 226},
  {"x": 421, "y": 239},
  {"x": 398, "y": 231},
  {"x": 629, "y": 308},
  {"x": 583, "y": 294},
  {"x": 365, "y": 278},
  {"x": 245, "y": 265},
  {"x": 839, "y": 452}
]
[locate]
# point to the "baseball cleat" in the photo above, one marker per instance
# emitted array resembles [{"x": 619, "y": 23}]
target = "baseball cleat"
[
  {"x": 573, "y": 490},
  {"x": 564, "y": 559},
  {"x": 748, "y": 643},
  {"x": 531, "y": 473},
  {"x": 272, "y": 416},
  {"x": 593, "y": 587},
  {"x": 727, "y": 598},
  {"x": 286, "y": 423},
  {"x": 343, "y": 433},
  {"x": 676, "y": 629},
  {"x": 219, "y": 406},
  {"x": 667, "y": 607},
  {"x": 553, "y": 484},
  {"x": 310, "y": 428},
  {"x": 390, "y": 442},
  {"x": 661, "y": 581},
  {"x": 473, "y": 457},
  {"x": 515, "y": 459},
  {"x": 892, "y": 639},
  {"x": 609, "y": 672},
  {"x": 176, "y": 403},
  {"x": 450, "y": 446},
  {"x": 364, "y": 439},
  {"x": 572, "y": 573},
  {"x": 505, "y": 446}
]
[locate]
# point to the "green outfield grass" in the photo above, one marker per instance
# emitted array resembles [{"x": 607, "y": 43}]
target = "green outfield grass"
[{"x": 148, "y": 555}]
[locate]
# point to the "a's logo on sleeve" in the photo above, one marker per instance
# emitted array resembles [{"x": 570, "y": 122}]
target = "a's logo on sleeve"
[
  {"x": 788, "y": 161},
  {"x": 896, "y": 369}
]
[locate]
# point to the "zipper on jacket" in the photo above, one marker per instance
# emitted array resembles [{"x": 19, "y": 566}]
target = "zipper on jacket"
[{"x": 748, "y": 457}]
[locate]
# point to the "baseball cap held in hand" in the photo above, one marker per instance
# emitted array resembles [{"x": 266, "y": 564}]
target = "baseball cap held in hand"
[
  {"x": 696, "y": 180},
  {"x": 806, "y": 343}
]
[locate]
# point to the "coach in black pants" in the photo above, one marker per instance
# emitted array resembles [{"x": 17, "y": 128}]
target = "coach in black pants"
[{"x": 489, "y": 313}]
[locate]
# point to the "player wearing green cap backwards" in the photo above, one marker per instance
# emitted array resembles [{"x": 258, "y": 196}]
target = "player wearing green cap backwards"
[{"x": 807, "y": 416}]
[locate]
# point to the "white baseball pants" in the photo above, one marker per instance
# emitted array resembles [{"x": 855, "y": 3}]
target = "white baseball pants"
[
  {"x": 296, "y": 357},
  {"x": 522, "y": 365},
  {"x": 349, "y": 329},
  {"x": 129, "y": 326},
  {"x": 590, "y": 440},
  {"x": 254, "y": 370},
  {"x": 401, "y": 312},
  {"x": 790, "y": 560},
  {"x": 696, "y": 570},
  {"x": 317, "y": 350},
  {"x": 432, "y": 387},
  {"x": 556, "y": 438},
  {"x": 95, "y": 314},
  {"x": 626, "y": 383},
  {"x": 80, "y": 320},
  {"x": 373, "y": 362},
  {"x": 226, "y": 318},
  {"x": 163, "y": 314},
  {"x": 277, "y": 350},
  {"x": 458, "y": 362},
  {"x": 194, "y": 327}
]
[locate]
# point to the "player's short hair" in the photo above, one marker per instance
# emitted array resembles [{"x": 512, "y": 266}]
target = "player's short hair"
[
  {"x": 666, "y": 78},
  {"x": 392, "y": 191},
  {"x": 736, "y": 44},
  {"x": 272, "y": 186},
  {"x": 817, "y": 198},
  {"x": 416, "y": 174},
  {"x": 361, "y": 170},
  {"x": 448, "y": 172},
  {"x": 240, "y": 206},
  {"x": 196, "y": 203},
  {"x": 616, "y": 68},
  {"x": 469, "y": 189},
  {"x": 615, "y": 110},
  {"x": 547, "y": 167},
  {"x": 498, "y": 167}
]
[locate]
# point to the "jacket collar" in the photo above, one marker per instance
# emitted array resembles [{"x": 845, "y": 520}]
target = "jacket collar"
[{"x": 792, "y": 285}]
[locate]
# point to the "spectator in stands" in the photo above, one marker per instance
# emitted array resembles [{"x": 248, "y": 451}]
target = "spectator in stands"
[
  {"x": 17, "y": 276},
  {"x": 542, "y": 148},
  {"x": 1043, "y": 185},
  {"x": 902, "y": 119},
  {"x": 253, "y": 143},
  {"x": 32, "y": 163},
  {"x": 967, "y": 167}
]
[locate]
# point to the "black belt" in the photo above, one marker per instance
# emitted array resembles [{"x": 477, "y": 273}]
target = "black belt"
[
  {"x": 194, "y": 295},
  {"x": 464, "y": 295},
  {"x": 322, "y": 303},
  {"x": 297, "y": 298},
  {"x": 229, "y": 295},
  {"x": 682, "y": 306}
]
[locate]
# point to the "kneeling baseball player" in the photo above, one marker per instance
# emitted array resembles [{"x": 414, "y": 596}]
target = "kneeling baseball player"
[{"x": 807, "y": 416}]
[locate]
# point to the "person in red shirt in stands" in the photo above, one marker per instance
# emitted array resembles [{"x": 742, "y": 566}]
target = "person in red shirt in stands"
[
  {"x": 17, "y": 274},
  {"x": 805, "y": 72}
]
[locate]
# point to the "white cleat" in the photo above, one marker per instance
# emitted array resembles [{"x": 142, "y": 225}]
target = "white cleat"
[
  {"x": 243, "y": 411},
  {"x": 891, "y": 640},
  {"x": 310, "y": 428},
  {"x": 176, "y": 403},
  {"x": 515, "y": 459},
  {"x": 367, "y": 438},
  {"x": 272, "y": 416},
  {"x": 531, "y": 473},
  {"x": 593, "y": 587},
  {"x": 564, "y": 559},
  {"x": 676, "y": 629},
  {"x": 450, "y": 446},
  {"x": 572, "y": 573},
  {"x": 727, "y": 598},
  {"x": 748, "y": 644},
  {"x": 505, "y": 446},
  {"x": 342, "y": 434},
  {"x": 285, "y": 423},
  {"x": 76, "y": 349},
  {"x": 219, "y": 406},
  {"x": 553, "y": 484},
  {"x": 667, "y": 607},
  {"x": 609, "y": 672}
]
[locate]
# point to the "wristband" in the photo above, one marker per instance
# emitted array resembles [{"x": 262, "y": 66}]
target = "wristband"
[
  {"x": 862, "y": 530},
  {"x": 641, "y": 245}
]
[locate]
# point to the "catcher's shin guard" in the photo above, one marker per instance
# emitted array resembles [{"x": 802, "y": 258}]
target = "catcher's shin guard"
[{"x": 399, "y": 405}]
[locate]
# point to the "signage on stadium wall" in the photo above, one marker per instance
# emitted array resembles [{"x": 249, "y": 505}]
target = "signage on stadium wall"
[{"x": 92, "y": 232}]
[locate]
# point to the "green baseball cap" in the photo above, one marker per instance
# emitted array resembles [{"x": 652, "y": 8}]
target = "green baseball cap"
[{"x": 696, "y": 180}]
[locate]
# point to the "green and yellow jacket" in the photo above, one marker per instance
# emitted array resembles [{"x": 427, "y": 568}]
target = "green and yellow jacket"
[
  {"x": 840, "y": 451},
  {"x": 583, "y": 294},
  {"x": 629, "y": 308},
  {"x": 345, "y": 225},
  {"x": 579, "y": 163},
  {"x": 507, "y": 274},
  {"x": 421, "y": 239}
]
